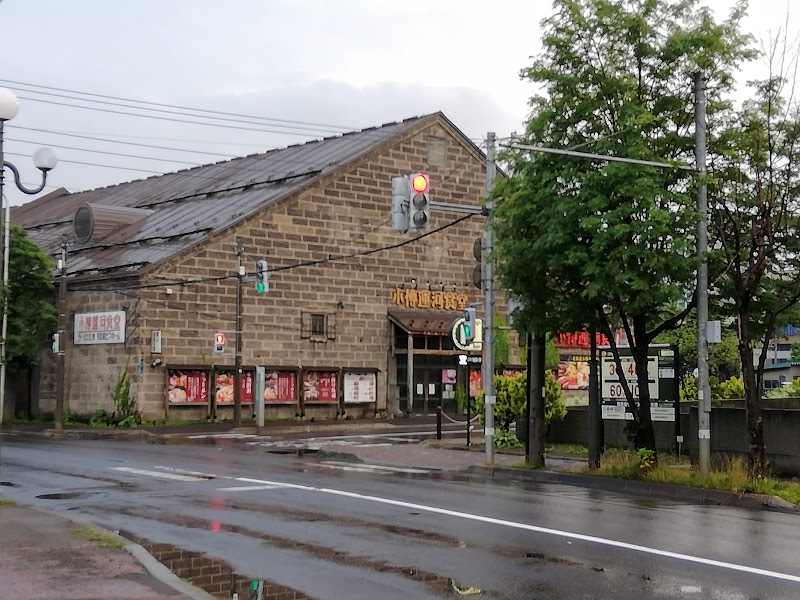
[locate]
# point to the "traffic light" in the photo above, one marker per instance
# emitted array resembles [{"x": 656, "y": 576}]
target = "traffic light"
[
  {"x": 419, "y": 201},
  {"x": 400, "y": 194},
  {"x": 56, "y": 343},
  {"x": 470, "y": 325},
  {"x": 219, "y": 343},
  {"x": 262, "y": 276},
  {"x": 256, "y": 589}
]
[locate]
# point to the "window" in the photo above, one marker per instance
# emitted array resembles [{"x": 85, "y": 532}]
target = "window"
[{"x": 318, "y": 326}]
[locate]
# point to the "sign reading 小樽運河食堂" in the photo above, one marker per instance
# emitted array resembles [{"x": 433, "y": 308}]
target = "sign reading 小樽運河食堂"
[
  {"x": 107, "y": 327},
  {"x": 413, "y": 298}
]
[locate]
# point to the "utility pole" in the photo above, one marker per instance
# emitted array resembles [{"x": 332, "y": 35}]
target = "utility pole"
[
  {"x": 237, "y": 378},
  {"x": 62, "y": 338},
  {"x": 536, "y": 424},
  {"x": 703, "y": 387},
  {"x": 488, "y": 279},
  {"x": 595, "y": 412}
]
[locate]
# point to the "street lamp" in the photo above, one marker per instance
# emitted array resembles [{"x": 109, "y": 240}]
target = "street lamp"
[{"x": 45, "y": 160}]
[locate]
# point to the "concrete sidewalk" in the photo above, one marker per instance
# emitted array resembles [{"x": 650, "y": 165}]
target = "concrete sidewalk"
[{"x": 44, "y": 556}]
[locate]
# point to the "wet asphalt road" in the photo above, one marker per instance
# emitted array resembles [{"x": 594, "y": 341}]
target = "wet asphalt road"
[{"x": 280, "y": 517}]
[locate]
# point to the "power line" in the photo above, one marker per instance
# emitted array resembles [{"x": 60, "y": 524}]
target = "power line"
[
  {"x": 80, "y": 162},
  {"x": 174, "y": 112},
  {"x": 171, "y": 119},
  {"x": 230, "y": 114},
  {"x": 169, "y": 160},
  {"x": 99, "y": 139}
]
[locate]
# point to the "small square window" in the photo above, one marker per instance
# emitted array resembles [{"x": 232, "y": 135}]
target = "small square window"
[{"x": 318, "y": 325}]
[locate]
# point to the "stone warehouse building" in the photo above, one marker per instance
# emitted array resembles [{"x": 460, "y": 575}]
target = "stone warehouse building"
[{"x": 151, "y": 269}]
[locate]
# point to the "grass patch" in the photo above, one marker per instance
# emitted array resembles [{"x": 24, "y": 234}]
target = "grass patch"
[
  {"x": 99, "y": 537},
  {"x": 571, "y": 449},
  {"x": 524, "y": 465},
  {"x": 728, "y": 474},
  {"x": 7, "y": 502}
]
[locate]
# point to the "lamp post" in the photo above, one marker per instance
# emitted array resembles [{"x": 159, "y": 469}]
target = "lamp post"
[{"x": 45, "y": 160}]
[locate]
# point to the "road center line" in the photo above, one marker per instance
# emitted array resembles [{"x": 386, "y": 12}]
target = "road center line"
[{"x": 534, "y": 528}]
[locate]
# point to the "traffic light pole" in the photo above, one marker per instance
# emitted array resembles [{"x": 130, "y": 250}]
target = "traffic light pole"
[
  {"x": 237, "y": 378},
  {"x": 62, "y": 341},
  {"x": 488, "y": 278}
]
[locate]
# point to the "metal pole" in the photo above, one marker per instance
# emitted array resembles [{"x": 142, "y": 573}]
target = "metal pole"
[
  {"x": 595, "y": 412},
  {"x": 469, "y": 401},
  {"x": 488, "y": 278},
  {"x": 5, "y": 280},
  {"x": 6, "y": 253},
  {"x": 237, "y": 379},
  {"x": 703, "y": 387},
  {"x": 439, "y": 422},
  {"x": 536, "y": 425},
  {"x": 62, "y": 340}
]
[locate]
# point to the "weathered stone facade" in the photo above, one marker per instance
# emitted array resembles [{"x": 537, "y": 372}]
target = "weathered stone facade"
[{"x": 345, "y": 212}]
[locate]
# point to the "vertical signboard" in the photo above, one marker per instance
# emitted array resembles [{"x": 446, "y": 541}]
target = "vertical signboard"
[{"x": 661, "y": 384}]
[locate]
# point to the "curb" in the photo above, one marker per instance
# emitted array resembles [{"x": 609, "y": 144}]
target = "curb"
[
  {"x": 147, "y": 560},
  {"x": 661, "y": 491},
  {"x": 137, "y": 435}
]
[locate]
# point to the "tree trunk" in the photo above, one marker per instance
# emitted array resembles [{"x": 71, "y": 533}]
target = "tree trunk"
[
  {"x": 645, "y": 434},
  {"x": 752, "y": 395}
]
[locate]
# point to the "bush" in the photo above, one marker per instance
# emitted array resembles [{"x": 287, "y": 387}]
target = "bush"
[
  {"x": 124, "y": 404},
  {"x": 511, "y": 400},
  {"x": 99, "y": 419}
]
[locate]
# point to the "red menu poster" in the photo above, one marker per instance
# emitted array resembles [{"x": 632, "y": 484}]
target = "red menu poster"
[
  {"x": 186, "y": 387},
  {"x": 280, "y": 386},
  {"x": 224, "y": 383},
  {"x": 320, "y": 387}
]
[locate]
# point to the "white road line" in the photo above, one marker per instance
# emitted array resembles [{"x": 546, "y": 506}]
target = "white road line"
[
  {"x": 198, "y": 474},
  {"x": 250, "y": 488},
  {"x": 158, "y": 474},
  {"x": 535, "y": 528},
  {"x": 367, "y": 468}
]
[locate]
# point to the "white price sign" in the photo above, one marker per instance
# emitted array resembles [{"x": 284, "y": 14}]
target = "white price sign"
[{"x": 612, "y": 387}]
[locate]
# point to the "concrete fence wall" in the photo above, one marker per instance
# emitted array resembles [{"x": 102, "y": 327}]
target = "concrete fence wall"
[{"x": 728, "y": 434}]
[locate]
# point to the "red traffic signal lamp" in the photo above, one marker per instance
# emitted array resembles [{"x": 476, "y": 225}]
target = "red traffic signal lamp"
[
  {"x": 419, "y": 201},
  {"x": 420, "y": 183},
  {"x": 219, "y": 343}
]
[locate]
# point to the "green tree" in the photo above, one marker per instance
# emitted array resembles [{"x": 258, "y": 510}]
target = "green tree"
[
  {"x": 31, "y": 313},
  {"x": 585, "y": 243},
  {"x": 501, "y": 341},
  {"x": 795, "y": 352},
  {"x": 753, "y": 196},
  {"x": 723, "y": 358}
]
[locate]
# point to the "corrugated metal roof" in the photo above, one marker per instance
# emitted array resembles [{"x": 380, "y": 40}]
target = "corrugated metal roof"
[{"x": 193, "y": 203}]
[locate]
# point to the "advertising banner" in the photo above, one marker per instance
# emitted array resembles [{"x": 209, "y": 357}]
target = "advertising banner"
[
  {"x": 360, "y": 388},
  {"x": 224, "y": 384},
  {"x": 320, "y": 386},
  {"x": 280, "y": 387},
  {"x": 187, "y": 387}
]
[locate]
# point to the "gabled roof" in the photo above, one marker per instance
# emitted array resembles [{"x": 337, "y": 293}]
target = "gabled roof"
[{"x": 191, "y": 204}]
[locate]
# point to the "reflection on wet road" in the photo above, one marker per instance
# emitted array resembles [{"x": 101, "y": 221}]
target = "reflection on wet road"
[{"x": 338, "y": 533}]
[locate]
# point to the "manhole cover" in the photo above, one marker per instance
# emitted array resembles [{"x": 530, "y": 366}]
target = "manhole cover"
[{"x": 62, "y": 496}]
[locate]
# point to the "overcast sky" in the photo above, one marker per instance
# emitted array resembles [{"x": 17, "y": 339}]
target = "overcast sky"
[{"x": 345, "y": 64}]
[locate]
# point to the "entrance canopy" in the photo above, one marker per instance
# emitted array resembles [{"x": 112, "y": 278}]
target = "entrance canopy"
[{"x": 424, "y": 322}]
